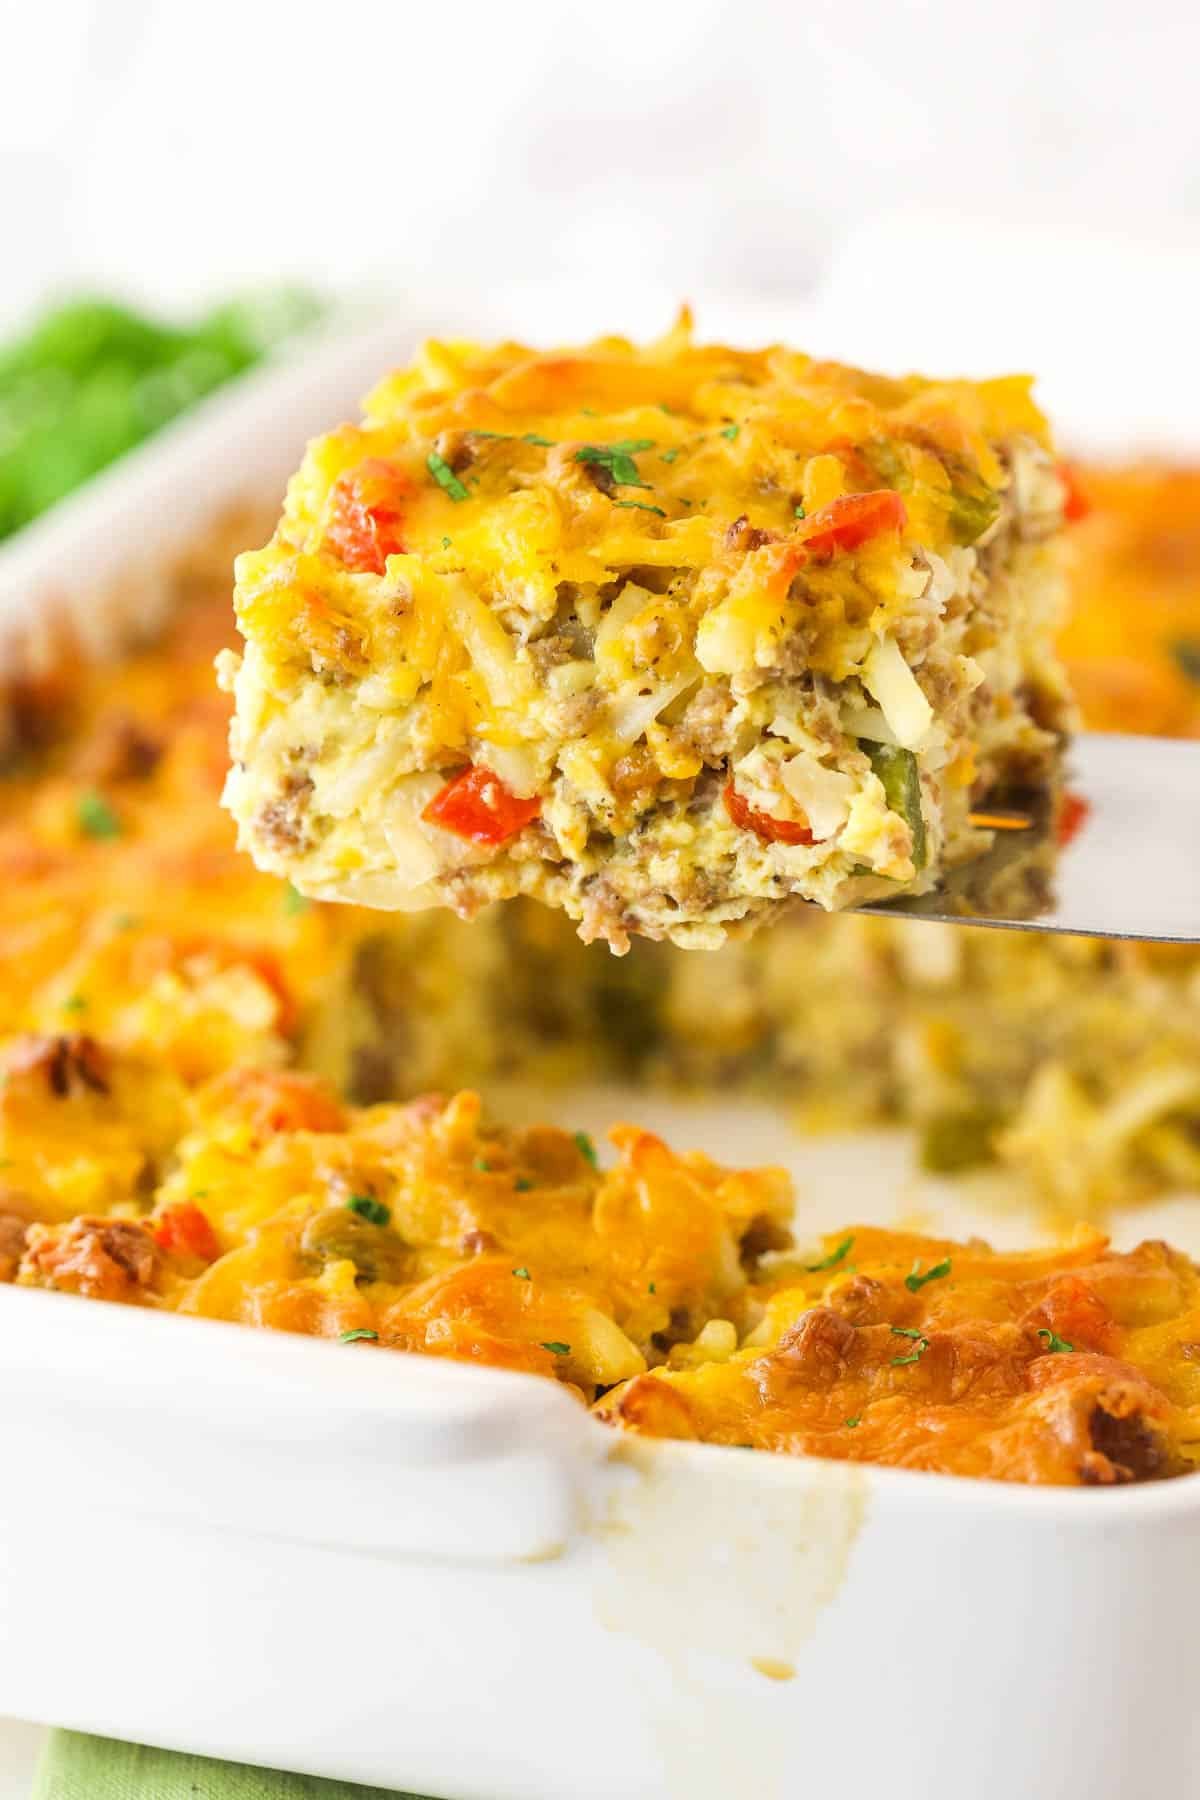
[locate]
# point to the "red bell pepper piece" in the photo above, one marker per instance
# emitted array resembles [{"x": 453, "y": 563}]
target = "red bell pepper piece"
[
  {"x": 184, "y": 1229},
  {"x": 851, "y": 520},
  {"x": 1073, "y": 812},
  {"x": 774, "y": 831},
  {"x": 366, "y": 522},
  {"x": 1076, "y": 504},
  {"x": 477, "y": 805}
]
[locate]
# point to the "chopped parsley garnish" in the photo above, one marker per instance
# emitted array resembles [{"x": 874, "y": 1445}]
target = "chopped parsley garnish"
[
  {"x": 922, "y": 1343},
  {"x": 359, "y": 1336},
  {"x": 653, "y": 1288},
  {"x": 294, "y": 901},
  {"x": 124, "y": 921},
  {"x": 446, "y": 542},
  {"x": 914, "y": 1281},
  {"x": 522, "y": 1274},
  {"x": 617, "y": 459},
  {"x": 834, "y": 1258},
  {"x": 556, "y": 1349},
  {"x": 74, "y": 1003},
  {"x": 642, "y": 506},
  {"x": 669, "y": 410},
  {"x": 1053, "y": 1342},
  {"x": 483, "y": 1165},
  {"x": 502, "y": 437},
  {"x": 522, "y": 1184},
  {"x": 850, "y": 1424},
  {"x": 531, "y": 437},
  {"x": 798, "y": 512},
  {"x": 445, "y": 477},
  {"x": 370, "y": 1209},
  {"x": 670, "y": 455},
  {"x": 1186, "y": 652},
  {"x": 730, "y": 432},
  {"x": 586, "y": 1148},
  {"x": 96, "y": 817}
]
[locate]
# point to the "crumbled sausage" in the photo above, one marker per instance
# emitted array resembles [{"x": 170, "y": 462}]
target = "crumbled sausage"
[
  {"x": 705, "y": 723},
  {"x": 104, "y": 1259},
  {"x": 603, "y": 917},
  {"x": 761, "y": 1236},
  {"x": 741, "y": 535},
  {"x": 281, "y": 821},
  {"x": 1124, "y": 1448}
]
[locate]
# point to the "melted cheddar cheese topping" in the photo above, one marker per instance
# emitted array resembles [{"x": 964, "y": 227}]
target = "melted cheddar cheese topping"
[{"x": 657, "y": 1288}]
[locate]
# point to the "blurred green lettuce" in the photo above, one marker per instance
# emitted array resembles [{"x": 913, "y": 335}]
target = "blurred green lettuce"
[{"x": 92, "y": 378}]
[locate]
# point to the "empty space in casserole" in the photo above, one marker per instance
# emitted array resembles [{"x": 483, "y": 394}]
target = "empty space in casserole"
[{"x": 668, "y": 638}]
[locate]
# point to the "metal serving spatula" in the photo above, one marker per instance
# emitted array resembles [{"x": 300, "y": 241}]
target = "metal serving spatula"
[{"x": 1130, "y": 870}]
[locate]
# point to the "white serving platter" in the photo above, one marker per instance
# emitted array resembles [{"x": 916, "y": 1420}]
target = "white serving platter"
[{"x": 450, "y": 1579}]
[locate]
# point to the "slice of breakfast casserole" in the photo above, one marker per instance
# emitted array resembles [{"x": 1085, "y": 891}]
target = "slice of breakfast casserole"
[{"x": 664, "y": 637}]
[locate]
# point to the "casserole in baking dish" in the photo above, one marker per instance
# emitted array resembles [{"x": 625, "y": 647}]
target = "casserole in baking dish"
[
  {"x": 660, "y": 1288},
  {"x": 361, "y": 1540}
]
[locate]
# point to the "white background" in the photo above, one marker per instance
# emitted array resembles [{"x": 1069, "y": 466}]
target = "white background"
[{"x": 178, "y": 148}]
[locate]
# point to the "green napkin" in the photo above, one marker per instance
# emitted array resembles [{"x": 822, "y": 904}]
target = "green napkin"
[{"x": 75, "y": 1767}]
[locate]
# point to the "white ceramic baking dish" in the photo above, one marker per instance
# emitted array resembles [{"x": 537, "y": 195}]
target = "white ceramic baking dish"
[{"x": 452, "y": 1580}]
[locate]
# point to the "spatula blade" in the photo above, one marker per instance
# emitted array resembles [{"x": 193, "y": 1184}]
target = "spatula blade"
[{"x": 1131, "y": 870}]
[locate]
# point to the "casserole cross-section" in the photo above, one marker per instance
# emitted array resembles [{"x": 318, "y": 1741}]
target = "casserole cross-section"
[{"x": 666, "y": 637}]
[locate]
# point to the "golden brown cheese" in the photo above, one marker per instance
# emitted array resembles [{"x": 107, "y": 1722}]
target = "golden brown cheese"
[
  {"x": 1132, "y": 641},
  {"x": 433, "y": 1230},
  {"x": 1073, "y": 1367},
  {"x": 665, "y": 637},
  {"x": 657, "y": 1284}
]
